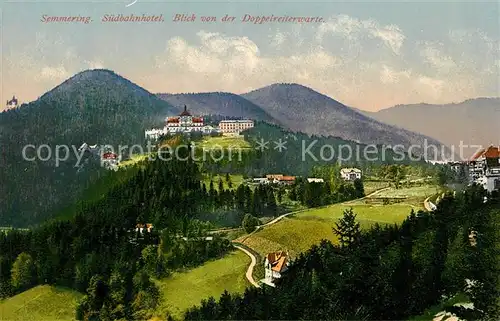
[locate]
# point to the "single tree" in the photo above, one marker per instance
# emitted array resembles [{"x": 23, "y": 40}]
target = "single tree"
[
  {"x": 347, "y": 229},
  {"x": 249, "y": 223},
  {"x": 23, "y": 271}
]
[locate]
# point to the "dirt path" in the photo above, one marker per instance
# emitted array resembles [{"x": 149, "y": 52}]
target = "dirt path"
[
  {"x": 428, "y": 205},
  {"x": 249, "y": 273}
]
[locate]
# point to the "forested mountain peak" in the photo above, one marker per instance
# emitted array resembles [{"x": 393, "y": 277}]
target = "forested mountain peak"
[
  {"x": 218, "y": 103},
  {"x": 94, "y": 106},
  {"x": 94, "y": 78}
]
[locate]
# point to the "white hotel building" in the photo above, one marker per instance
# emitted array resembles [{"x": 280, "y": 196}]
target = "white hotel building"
[
  {"x": 235, "y": 126},
  {"x": 184, "y": 123}
]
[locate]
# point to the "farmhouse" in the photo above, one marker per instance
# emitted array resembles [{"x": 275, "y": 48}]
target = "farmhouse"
[
  {"x": 275, "y": 265},
  {"x": 350, "y": 174},
  {"x": 315, "y": 180},
  {"x": 280, "y": 179}
]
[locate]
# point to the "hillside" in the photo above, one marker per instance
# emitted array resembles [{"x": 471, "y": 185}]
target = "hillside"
[
  {"x": 218, "y": 103},
  {"x": 300, "y": 108},
  {"x": 472, "y": 121},
  {"x": 94, "y": 106},
  {"x": 299, "y": 153},
  {"x": 43, "y": 302}
]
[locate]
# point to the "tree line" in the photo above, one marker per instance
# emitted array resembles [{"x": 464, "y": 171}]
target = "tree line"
[
  {"x": 99, "y": 252},
  {"x": 388, "y": 272}
]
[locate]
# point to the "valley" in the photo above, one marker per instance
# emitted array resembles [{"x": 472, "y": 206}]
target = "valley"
[
  {"x": 345, "y": 167},
  {"x": 155, "y": 239}
]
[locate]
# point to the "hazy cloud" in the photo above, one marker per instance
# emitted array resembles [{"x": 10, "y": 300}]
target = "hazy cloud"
[
  {"x": 53, "y": 73},
  {"x": 354, "y": 29}
]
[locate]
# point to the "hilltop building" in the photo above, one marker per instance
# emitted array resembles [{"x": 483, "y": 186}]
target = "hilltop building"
[
  {"x": 275, "y": 265},
  {"x": 350, "y": 174},
  {"x": 484, "y": 168},
  {"x": 235, "y": 126},
  {"x": 13, "y": 103},
  {"x": 184, "y": 123},
  {"x": 110, "y": 161}
]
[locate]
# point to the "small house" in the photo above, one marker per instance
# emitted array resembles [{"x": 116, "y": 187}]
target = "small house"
[
  {"x": 141, "y": 228},
  {"x": 350, "y": 174},
  {"x": 275, "y": 265}
]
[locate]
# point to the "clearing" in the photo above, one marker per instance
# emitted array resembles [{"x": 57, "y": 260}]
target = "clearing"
[
  {"x": 236, "y": 180},
  {"x": 183, "y": 290},
  {"x": 298, "y": 232},
  {"x": 224, "y": 142},
  {"x": 43, "y": 302}
]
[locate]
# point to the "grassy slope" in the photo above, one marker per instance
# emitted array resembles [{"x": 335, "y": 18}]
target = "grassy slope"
[
  {"x": 372, "y": 186},
  {"x": 223, "y": 142},
  {"x": 417, "y": 191},
  {"x": 236, "y": 181},
  {"x": 185, "y": 289},
  {"x": 134, "y": 160},
  {"x": 300, "y": 231},
  {"x": 43, "y": 302}
]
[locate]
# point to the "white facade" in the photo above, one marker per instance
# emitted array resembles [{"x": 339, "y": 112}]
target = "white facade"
[
  {"x": 110, "y": 161},
  {"x": 350, "y": 174},
  {"x": 260, "y": 180},
  {"x": 275, "y": 265},
  {"x": 235, "y": 126},
  {"x": 491, "y": 181},
  {"x": 315, "y": 180},
  {"x": 184, "y": 123},
  {"x": 484, "y": 168},
  {"x": 154, "y": 134}
]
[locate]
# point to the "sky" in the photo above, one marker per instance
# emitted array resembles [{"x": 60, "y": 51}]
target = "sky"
[{"x": 366, "y": 54}]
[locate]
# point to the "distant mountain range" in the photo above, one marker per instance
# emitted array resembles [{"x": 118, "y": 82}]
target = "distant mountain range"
[
  {"x": 473, "y": 122},
  {"x": 101, "y": 107},
  {"x": 218, "y": 103},
  {"x": 299, "y": 108}
]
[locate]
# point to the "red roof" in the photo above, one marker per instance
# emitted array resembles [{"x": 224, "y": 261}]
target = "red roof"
[
  {"x": 109, "y": 156},
  {"x": 478, "y": 154},
  {"x": 287, "y": 178},
  {"x": 277, "y": 260},
  {"x": 492, "y": 152},
  {"x": 197, "y": 120},
  {"x": 173, "y": 120}
]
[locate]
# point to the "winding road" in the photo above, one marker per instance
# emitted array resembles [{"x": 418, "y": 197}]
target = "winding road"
[{"x": 249, "y": 273}]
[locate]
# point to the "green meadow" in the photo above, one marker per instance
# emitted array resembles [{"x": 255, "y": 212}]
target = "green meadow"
[
  {"x": 43, "y": 302},
  {"x": 224, "y": 142},
  {"x": 299, "y": 232},
  {"x": 182, "y": 290}
]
